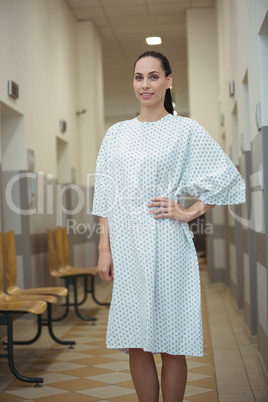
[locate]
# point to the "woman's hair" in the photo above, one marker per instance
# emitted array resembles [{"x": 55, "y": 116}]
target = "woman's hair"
[{"x": 166, "y": 67}]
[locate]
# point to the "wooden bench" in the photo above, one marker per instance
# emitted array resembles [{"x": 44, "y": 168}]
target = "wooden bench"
[
  {"x": 10, "y": 306},
  {"x": 59, "y": 267},
  {"x": 65, "y": 264},
  {"x": 47, "y": 294}
]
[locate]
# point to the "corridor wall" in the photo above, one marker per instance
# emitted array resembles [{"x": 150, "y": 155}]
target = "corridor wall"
[
  {"x": 237, "y": 249},
  {"x": 41, "y": 45}
]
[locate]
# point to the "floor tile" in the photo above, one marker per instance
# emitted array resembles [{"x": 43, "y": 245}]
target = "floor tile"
[
  {"x": 77, "y": 348},
  {"x": 237, "y": 390},
  {"x": 206, "y": 397},
  {"x": 77, "y": 385},
  {"x": 51, "y": 378},
  {"x": 196, "y": 376},
  {"x": 194, "y": 364},
  {"x": 63, "y": 356},
  {"x": 205, "y": 382},
  {"x": 107, "y": 391},
  {"x": 236, "y": 398},
  {"x": 36, "y": 393},
  {"x": 117, "y": 356},
  {"x": 63, "y": 366},
  {"x": 115, "y": 366},
  {"x": 10, "y": 398},
  {"x": 207, "y": 370},
  {"x": 68, "y": 397},
  {"x": 191, "y": 391},
  {"x": 112, "y": 378},
  {"x": 130, "y": 398}
]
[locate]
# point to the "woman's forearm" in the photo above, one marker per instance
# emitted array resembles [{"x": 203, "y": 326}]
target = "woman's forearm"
[
  {"x": 104, "y": 243},
  {"x": 198, "y": 209}
]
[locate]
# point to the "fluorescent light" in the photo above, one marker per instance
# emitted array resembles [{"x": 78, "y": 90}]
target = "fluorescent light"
[{"x": 154, "y": 40}]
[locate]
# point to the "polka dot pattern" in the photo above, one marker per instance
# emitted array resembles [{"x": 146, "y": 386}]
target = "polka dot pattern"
[{"x": 156, "y": 302}]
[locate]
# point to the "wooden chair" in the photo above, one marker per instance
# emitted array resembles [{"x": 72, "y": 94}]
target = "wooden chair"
[
  {"x": 6, "y": 297},
  {"x": 70, "y": 276},
  {"x": 9, "y": 306},
  {"x": 62, "y": 246},
  {"x": 48, "y": 294}
]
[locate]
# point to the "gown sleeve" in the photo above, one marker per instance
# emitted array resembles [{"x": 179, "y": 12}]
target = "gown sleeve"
[
  {"x": 100, "y": 198},
  {"x": 209, "y": 173}
]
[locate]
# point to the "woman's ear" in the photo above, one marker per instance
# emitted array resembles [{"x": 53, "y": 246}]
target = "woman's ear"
[{"x": 169, "y": 81}]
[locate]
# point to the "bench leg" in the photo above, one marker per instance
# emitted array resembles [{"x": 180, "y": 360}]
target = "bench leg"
[
  {"x": 93, "y": 293},
  {"x": 82, "y": 317},
  {"x": 34, "y": 339},
  {"x": 50, "y": 330},
  {"x": 66, "y": 305},
  {"x": 7, "y": 320},
  {"x": 41, "y": 323},
  {"x": 85, "y": 292}
]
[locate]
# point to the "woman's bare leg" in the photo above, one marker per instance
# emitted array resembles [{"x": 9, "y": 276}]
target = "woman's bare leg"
[
  {"x": 144, "y": 375},
  {"x": 173, "y": 377}
]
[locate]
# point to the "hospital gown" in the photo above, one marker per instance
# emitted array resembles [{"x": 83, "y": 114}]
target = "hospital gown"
[{"x": 156, "y": 298}]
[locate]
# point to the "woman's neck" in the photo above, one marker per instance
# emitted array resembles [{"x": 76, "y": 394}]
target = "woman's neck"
[{"x": 152, "y": 115}]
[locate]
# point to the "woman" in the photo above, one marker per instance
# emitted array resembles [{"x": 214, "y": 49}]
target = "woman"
[{"x": 144, "y": 167}]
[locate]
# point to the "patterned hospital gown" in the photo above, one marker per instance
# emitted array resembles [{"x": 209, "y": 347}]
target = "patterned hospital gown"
[{"x": 156, "y": 291}]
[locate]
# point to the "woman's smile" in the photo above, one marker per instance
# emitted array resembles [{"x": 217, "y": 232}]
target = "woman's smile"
[{"x": 146, "y": 95}]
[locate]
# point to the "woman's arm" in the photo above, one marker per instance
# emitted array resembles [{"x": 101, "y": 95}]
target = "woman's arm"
[
  {"x": 174, "y": 210},
  {"x": 197, "y": 209},
  {"x": 104, "y": 244},
  {"x": 105, "y": 262}
]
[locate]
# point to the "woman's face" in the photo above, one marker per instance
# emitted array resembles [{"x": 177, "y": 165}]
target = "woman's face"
[{"x": 150, "y": 83}]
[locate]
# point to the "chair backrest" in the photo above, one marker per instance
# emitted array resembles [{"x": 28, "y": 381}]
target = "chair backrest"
[
  {"x": 65, "y": 246},
  {"x": 10, "y": 259},
  {"x": 59, "y": 247},
  {"x": 51, "y": 252},
  {"x": 1, "y": 267}
]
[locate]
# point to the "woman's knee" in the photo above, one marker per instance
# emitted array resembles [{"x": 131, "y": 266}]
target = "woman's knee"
[
  {"x": 167, "y": 357},
  {"x": 138, "y": 352}
]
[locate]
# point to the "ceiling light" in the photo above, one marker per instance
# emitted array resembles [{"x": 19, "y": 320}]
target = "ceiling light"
[{"x": 154, "y": 40}]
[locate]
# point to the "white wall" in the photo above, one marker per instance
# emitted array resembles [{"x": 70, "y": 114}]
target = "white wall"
[
  {"x": 38, "y": 47},
  {"x": 91, "y": 123},
  {"x": 203, "y": 68},
  {"x": 238, "y": 25},
  {"x": 41, "y": 46}
]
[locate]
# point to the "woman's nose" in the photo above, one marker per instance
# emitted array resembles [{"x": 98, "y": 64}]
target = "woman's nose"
[{"x": 145, "y": 84}]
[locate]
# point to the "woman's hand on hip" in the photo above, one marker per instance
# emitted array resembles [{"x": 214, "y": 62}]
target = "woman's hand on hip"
[
  {"x": 105, "y": 265},
  {"x": 168, "y": 208}
]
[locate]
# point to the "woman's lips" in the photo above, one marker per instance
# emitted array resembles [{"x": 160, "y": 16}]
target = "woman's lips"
[{"x": 146, "y": 95}]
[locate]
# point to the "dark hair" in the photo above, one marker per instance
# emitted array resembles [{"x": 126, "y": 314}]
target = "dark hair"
[{"x": 166, "y": 67}]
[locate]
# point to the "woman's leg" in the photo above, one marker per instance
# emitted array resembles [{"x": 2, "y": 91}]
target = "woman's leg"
[
  {"x": 144, "y": 375},
  {"x": 173, "y": 377}
]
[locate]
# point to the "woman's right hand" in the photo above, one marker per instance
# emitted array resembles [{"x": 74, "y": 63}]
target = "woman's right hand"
[{"x": 105, "y": 265}]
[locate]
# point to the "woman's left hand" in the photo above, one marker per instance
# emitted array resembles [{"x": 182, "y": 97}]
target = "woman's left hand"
[{"x": 168, "y": 209}]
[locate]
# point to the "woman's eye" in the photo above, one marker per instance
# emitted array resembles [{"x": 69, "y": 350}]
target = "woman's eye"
[
  {"x": 154, "y": 77},
  {"x": 137, "y": 78}
]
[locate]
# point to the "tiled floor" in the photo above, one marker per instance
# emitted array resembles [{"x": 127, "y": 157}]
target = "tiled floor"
[{"x": 90, "y": 372}]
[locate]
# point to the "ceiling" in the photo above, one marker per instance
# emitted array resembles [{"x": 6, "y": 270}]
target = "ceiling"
[{"x": 123, "y": 26}]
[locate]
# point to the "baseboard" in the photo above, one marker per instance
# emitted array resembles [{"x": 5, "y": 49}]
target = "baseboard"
[
  {"x": 239, "y": 311},
  {"x": 263, "y": 371},
  {"x": 252, "y": 338}
]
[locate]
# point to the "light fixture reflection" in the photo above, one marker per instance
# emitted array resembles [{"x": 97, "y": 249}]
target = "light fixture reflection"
[{"x": 154, "y": 40}]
